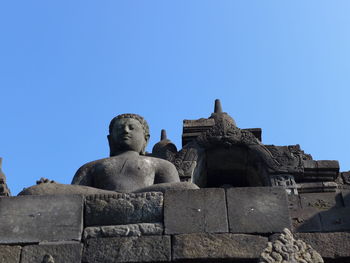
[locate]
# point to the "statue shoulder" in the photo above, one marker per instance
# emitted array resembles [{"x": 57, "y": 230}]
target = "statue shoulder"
[
  {"x": 159, "y": 163},
  {"x": 165, "y": 171},
  {"x": 82, "y": 174}
]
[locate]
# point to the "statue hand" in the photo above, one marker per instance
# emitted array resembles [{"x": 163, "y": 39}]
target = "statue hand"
[{"x": 44, "y": 181}]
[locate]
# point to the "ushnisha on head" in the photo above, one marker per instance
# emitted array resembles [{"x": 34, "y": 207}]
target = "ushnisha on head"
[{"x": 128, "y": 132}]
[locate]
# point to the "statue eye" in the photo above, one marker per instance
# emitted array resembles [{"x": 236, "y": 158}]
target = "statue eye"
[{"x": 131, "y": 127}]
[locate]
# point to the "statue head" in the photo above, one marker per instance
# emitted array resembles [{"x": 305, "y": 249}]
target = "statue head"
[{"x": 128, "y": 132}]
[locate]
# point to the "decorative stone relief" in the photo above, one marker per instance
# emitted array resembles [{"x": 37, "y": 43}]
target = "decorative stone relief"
[
  {"x": 226, "y": 134},
  {"x": 4, "y": 191},
  {"x": 186, "y": 161},
  {"x": 290, "y": 157},
  {"x": 48, "y": 259},
  {"x": 164, "y": 149},
  {"x": 123, "y": 208},
  {"x": 288, "y": 250},
  {"x": 285, "y": 180}
]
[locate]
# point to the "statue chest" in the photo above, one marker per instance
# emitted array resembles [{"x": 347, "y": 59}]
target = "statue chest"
[{"x": 124, "y": 175}]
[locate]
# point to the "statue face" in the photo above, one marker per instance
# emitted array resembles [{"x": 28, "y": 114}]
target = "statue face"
[{"x": 128, "y": 135}]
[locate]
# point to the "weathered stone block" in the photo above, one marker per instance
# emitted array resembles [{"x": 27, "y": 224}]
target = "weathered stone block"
[
  {"x": 191, "y": 211},
  {"x": 329, "y": 245},
  {"x": 69, "y": 252},
  {"x": 346, "y": 177},
  {"x": 319, "y": 165},
  {"x": 29, "y": 219},
  {"x": 306, "y": 220},
  {"x": 124, "y": 208},
  {"x": 331, "y": 165},
  {"x": 320, "y": 201},
  {"x": 255, "y": 131},
  {"x": 317, "y": 187},
  {"x": 325, "y": 170},
  {"x": 217, "y": 246},
  {"x": 142, "y": 229},
  {"x": 127, "y": 249},
  {"x": 10, "y": 254},
  {"x": 336, "y": 219},
  {"x": 346, "y": 197},
  {"x": 257, "y": 209}
]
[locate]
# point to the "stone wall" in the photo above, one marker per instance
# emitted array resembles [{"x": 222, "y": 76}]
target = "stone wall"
[{"x": 205, "y": 225}]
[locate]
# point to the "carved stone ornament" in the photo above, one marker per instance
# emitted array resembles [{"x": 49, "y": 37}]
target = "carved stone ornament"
[
  {"x": 48, "y": 259},
  {"x": 4, "y": 190},
  {"x": 288, "y": 250},
  {"x": 224, "y": 134}
]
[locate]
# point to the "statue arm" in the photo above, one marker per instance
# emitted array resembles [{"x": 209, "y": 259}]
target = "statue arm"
[
  {"x": 83, "y": 176},
  {"x": 166, "y": 178},
  {"x": 165, "y": 172}
]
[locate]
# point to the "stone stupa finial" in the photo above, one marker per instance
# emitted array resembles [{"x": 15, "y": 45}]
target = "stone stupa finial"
[
  {"x": 163, "y": 135},
  {"x": 217, "y": 107},
  {"x": 164, "y": 148},
  {"x": 218, "y": 115}
]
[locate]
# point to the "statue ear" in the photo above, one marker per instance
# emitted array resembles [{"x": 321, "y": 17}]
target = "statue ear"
[
  {"x": 143, "y": 150},
  {"x": 110, "y": 143}
]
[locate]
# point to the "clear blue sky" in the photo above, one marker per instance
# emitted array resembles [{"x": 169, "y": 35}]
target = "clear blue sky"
[{"x": 68, "y": 67}]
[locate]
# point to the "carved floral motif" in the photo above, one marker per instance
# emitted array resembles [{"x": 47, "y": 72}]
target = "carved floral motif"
[{"x": 288, "y": 250}]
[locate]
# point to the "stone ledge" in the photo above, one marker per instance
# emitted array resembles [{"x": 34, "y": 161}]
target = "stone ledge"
[
  {"x": 329, "y": 245},
  {"x": 10, "y": 254},
  {"x": 142, "y": 229},
  {"x": 306, "y": 220},
  {"x": 217, "y": 246},
  {"x": 336, "y": 220},
  {"x": 56, "y": 252},
  {"x": 127, "y": 249}
]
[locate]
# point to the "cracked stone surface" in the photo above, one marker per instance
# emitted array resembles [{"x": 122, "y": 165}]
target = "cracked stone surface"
[
  {"x": 60, "y": 252},
  {"x": 127, "y": 249},
  {"x": 33, "y": 219},
  {"x": 191, "y": 211},
  {"x": 10, "y": 254},
  {"x": 217, "y": 246},
  {"x": 142, "y": 229}
]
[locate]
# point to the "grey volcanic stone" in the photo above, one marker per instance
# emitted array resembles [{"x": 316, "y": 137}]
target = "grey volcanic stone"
[
  {"x": 335, "y": 220},
  {"x": 69, "y": 252},
  {"x": 287, "y": 249},
  {"x": 124, "y": 208},
  {"x": 10, "y": 254},
  {"x": 306, "y": 220},
  {"x": 192, "y": 211},
  {"x": 346, "y": 197},
  {"x": 143, "y": 229},
  {"x": 127, "y": 249},
  {"x": 4, "y": 191},
  {"x": 329, "y": 245},
  {"x": 218, "y": 246},
  {"x": 258, "y": 210},
  {"x": 320, "y": 201},
  {"x": 29, "y": 219},
  {"x": 50, "y": 188}
]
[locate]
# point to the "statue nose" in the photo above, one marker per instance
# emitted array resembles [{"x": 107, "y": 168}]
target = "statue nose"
[{"x": 126, "y": 129}]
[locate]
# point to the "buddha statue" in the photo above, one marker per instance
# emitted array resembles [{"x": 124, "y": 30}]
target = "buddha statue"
[{"x": 127, "y": 169}]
